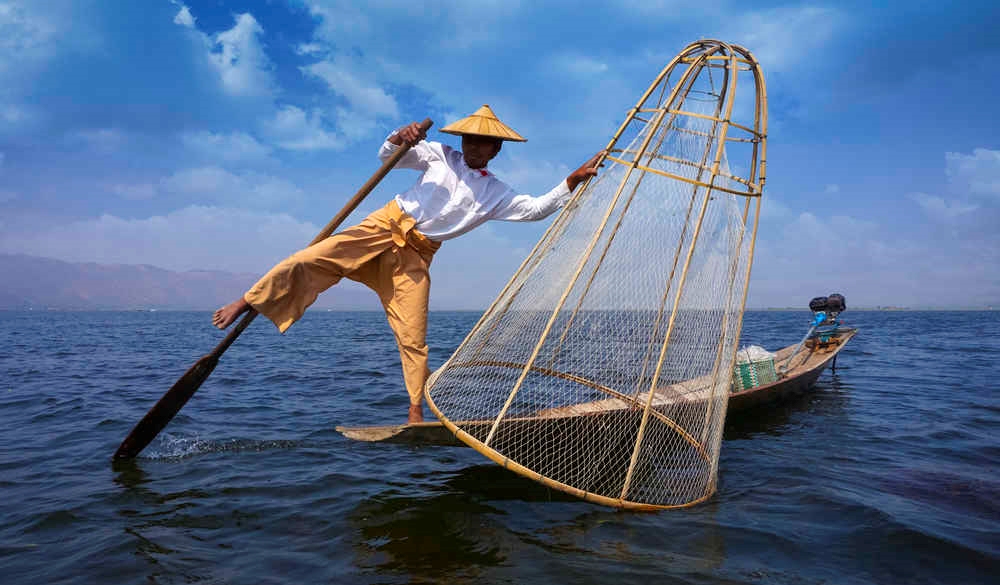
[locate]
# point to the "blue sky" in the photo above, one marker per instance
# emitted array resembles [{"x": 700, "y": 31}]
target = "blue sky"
[{"x": 225, "y": 134}]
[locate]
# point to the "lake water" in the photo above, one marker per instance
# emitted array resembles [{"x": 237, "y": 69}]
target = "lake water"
[{"x": 888, "y": 473}]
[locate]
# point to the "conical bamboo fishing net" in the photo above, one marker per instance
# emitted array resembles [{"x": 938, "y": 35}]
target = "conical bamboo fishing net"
[{"x": 603, "y": 367}]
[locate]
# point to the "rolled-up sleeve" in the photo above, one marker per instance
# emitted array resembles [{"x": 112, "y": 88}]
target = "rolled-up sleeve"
[{"x": 517, "y": 207}]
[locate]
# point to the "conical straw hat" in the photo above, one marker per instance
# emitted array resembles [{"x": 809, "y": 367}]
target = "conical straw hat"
[{"x": 484, "y": 123}]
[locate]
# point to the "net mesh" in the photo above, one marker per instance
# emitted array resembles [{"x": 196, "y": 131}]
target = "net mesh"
[{"x": 603, "y": 367}]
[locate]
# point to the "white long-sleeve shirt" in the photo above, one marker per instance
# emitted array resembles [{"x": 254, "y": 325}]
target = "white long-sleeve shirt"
[{"x": 450, "y": 198}]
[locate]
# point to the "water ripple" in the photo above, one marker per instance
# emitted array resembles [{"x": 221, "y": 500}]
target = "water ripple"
[{"x": 884, "y": 474}]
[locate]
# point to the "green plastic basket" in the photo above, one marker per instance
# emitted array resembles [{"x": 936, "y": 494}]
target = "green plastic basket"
[{"x": 752, "y": 374}]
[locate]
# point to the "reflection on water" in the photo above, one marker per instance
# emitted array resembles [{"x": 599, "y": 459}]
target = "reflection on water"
[
  {"x": 466, "y": 530},
  {"x": 829, "y": 397}
]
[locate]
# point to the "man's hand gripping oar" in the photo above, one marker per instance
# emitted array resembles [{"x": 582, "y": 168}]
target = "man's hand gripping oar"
[{"x": 170, "y": 404}]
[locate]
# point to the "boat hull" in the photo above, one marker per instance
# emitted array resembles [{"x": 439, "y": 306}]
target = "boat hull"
[{"x": 804, "y": 368}]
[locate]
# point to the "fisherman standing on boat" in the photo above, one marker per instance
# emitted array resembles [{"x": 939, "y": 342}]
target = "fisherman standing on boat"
[{"x": 391, "y": 250}]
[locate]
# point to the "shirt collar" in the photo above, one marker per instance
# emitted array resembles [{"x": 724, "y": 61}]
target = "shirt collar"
[{"x": 483, "y": 172}]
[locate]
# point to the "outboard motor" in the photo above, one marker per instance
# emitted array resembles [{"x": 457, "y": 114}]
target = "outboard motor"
[
  {"x": 818, "y": 306},
  {"x": 827, "y": 309},
  {"x": 827, "y": 321},
  {"x": 836, "y": 304},
  {"x": 825, "y": 324}
]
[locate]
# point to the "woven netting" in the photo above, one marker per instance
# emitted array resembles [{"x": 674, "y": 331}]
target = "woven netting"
[{"x": 603, "y": 367}]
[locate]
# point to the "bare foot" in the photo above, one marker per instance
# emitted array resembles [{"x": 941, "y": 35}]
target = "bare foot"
[
  {"x": 416, "y": 414},
  {"x": 225, "y": 316}
]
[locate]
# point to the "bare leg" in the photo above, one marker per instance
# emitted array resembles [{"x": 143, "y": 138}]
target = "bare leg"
[
  {"x": 416, "y": 414},
  {"x": 225, "y": 316}
]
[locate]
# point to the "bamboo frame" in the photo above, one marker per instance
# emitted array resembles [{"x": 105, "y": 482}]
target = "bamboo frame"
[{"x": 657, "y": 116}]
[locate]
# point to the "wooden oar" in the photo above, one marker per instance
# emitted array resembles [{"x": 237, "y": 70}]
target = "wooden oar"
[{"x": 171, "y": 402}]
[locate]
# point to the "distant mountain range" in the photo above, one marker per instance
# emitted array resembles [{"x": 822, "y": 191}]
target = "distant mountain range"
[{"x": 31, "y": 282}]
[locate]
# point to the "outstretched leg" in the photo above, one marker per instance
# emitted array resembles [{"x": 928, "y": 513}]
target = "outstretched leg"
[
  {"x": 226, "y": 316},
  {"x": 283, "y": 294}
]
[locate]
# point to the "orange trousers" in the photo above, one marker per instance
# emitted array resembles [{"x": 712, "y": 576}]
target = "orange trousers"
[{"x": 384, "y": 253}]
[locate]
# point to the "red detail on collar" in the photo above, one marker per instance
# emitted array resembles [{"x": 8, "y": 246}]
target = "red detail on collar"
[{"x": 483, "y": 172}]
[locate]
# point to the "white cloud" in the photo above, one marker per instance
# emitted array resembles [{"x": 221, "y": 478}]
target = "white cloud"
[
  {"x": 781, "y": 38},
  {"x": 32, "y": 35},
  {"x": 579, "y": 65},
  {"x": 240, "y": 59},
  {"x": 938, "y": 209},
  {"x": 468, "y": 273},
  {"x": 773, "y": 210},
  {"x": 421, "y": 44},
  {"x": 976, "y": 174},
  {"x": 201, "y": 181},
  {"x": 366, "y": 102},
  {"x": 657, "y": 9},
  {"x": 184, "y": 17},
  {"x": 310, "y": 49},
  {"x": 347, "y": 80},
  {"x": 12, "y": 114},
  {"x": 216, "y": 185},
  {"x": 293, "y": 129},
  {"x": 136, "y": 192},
  {"x": 26, "y": 34},
  {"x": 236, "y": 55},
  {"x": 232, "y": 147},
  {"x": 467, "y": 24},
  {"x": 528, "y": 175},
  {"x": 944, "y": 261},
  {"x": 99, "y": 139},
  {"x": 192, "y": 238}
]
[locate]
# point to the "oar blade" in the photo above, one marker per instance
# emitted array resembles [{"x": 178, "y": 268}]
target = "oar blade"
[{"x": 165, "y": 409}]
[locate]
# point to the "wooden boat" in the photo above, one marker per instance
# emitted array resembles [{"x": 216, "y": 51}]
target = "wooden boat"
[
  {"x": 803, "y": 371},
  {"x": 800, "y": 372}
]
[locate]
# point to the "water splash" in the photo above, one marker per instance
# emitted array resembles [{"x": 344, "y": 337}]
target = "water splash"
[{"x": 173, "y": 447}]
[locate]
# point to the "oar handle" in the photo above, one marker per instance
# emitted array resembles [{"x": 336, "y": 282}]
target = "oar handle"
[
  {"x": 367, "y": 187},
  {"x": 170, "y": 404}
]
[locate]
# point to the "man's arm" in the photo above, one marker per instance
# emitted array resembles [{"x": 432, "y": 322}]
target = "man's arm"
[
  {"x": 587, "y": 170},
  {"x": 528, "y": 208},
  {"x": 420, "y": 154}
]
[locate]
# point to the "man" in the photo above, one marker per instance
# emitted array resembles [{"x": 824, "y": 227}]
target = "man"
[{"x": 391, "y": 250}]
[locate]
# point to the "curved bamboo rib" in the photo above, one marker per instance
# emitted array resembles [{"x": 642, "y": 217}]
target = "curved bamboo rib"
[
  {"x": 584, "y": 495},
  {"x": 664, "y": 453},
  {"x": 690, "y": 163},
  {"x": 630, "y": 400},
  {"x": 686, "y": 180}
]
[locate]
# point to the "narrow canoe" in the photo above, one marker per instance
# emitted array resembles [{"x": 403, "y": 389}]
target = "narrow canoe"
[{"x": 811, "y": 359}]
